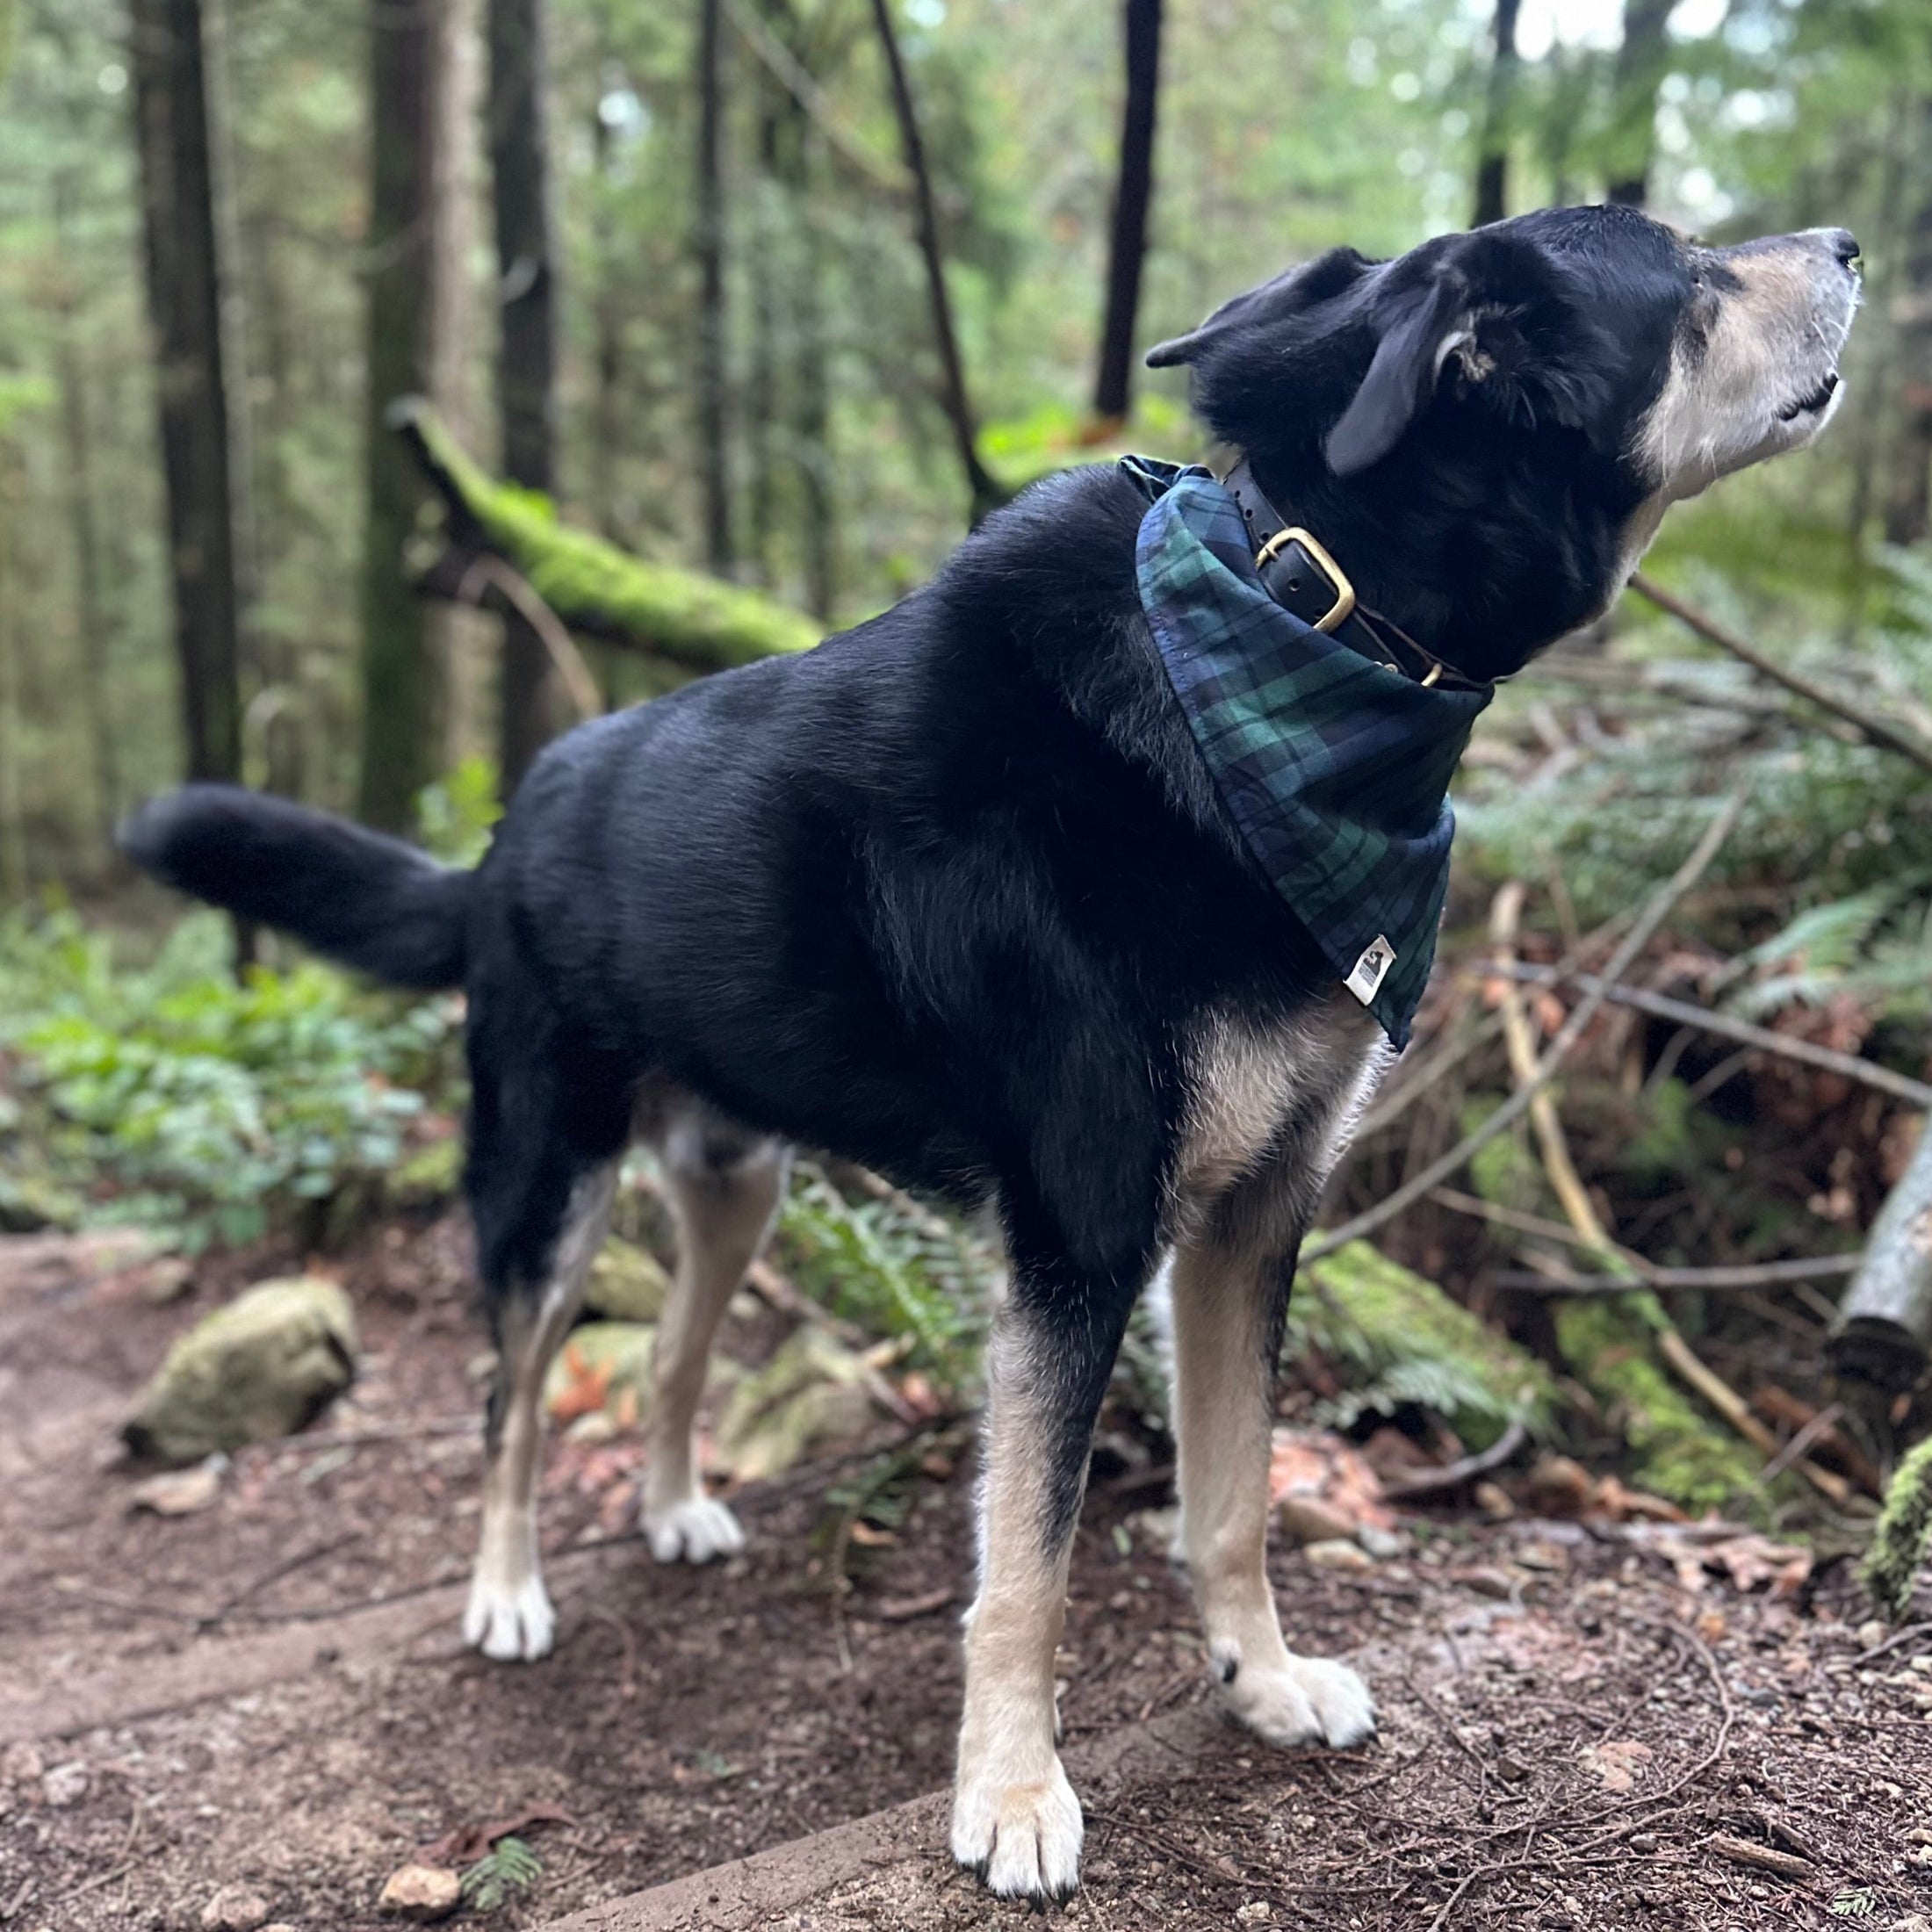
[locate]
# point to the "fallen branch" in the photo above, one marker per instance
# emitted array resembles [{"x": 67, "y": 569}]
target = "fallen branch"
[
  {"x": 1744, "y": 1274},
  {"x": 1882, "y": 1334},
  {"x": 1875, "y": 731},
  {"x": 1849, "y": 1066},
  {"x": 1512, "y": 1109},
  {"x": 1742, "y": 1851},
  {"x": 571, "y": 672},
  {"x": 1466, "y": 1469},
  {"x": 681, "y": 616}
]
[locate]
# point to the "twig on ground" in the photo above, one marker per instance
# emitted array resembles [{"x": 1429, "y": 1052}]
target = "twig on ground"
[
  {"x": 1465, "y": 1469},
  {"x": 1814, "y": 1431},
  {"x": 221, "y": 1614},
  {"x": 1874, "y": 730},
  {"x": 1742, "y": 1851},
  {"x": 1512, "y": 1109},
  {"x": 1826, "y": 1059}
]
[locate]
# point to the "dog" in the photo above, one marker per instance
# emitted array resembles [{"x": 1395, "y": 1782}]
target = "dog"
[{"x": 953, "y": 896}]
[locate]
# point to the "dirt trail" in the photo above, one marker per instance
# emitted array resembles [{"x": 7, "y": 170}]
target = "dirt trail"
[{"x": 272, "y": 1693}]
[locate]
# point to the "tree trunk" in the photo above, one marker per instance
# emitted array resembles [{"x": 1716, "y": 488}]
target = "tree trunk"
[
  {"x": 984, "y": 493},
  {"x": 184, "y": 303},
  {"x": 526, "y": 368},
  {"x": 1640, "y": 66},
  {"x": 89, "y": 606},
  {"x": 1133, "y": 197},
  {"x": 406, "y": 47},
  {"x": 1493, "y": 152},
  {"x": 1909, "y": 490},
  {"x": 713, "y": 415}
]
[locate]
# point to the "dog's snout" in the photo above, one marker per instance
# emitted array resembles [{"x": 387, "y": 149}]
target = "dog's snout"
[{"x": 1843, "y": 244}]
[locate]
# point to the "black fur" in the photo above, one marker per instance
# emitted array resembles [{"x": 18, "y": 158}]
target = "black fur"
[{"x": 946, "y": 894}]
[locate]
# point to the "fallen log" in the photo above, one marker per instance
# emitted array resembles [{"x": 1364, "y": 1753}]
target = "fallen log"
[
  {"x": 683, "y": 618},
  {"x": 1883, "y": 1336}
]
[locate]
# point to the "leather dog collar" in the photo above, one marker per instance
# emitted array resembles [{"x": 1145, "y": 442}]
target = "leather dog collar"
[{"x": 1299, "y": 573}]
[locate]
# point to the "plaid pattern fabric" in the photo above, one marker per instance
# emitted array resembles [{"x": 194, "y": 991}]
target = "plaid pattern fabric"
[{"x": 1336, "y": 769}]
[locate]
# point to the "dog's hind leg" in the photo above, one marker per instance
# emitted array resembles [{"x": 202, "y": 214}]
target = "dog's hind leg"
[
  {"x": 1229, "y": 1297},
  {"x": 509, "y": 1615},
  {"x": 723, "y": 1184}
]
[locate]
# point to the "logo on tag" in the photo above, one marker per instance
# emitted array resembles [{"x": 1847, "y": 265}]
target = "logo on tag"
[{"x": 1370, "y": 970}]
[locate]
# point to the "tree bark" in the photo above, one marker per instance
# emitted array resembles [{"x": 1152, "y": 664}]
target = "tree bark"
[
  {"x": 984, "y": 493},
  {"x": 526, "y": 368},
  {"x": 184, "y": 301},
  {"x": 407, "y": 123},
  {"x": 1492, "y": 201},
  {"x": 1640, "y": 66},
  {"x": 1133, "y": 198},
  {"x": 713, "y": 412}
]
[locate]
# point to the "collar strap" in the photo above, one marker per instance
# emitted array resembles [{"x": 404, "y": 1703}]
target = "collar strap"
[{"x": 1307, "y": 583}]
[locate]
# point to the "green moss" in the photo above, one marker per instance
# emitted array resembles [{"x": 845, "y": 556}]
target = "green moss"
[
  {"x": 1903, "y": 1539},
  {"x": 683, "y": 615},
  {"x": 1414, "y": 1344},
  {"x": 1608, "y": 1341},
  {"x": 1504, "y": 1170}
]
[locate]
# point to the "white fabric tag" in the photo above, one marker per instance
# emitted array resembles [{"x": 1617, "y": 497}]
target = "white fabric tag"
[{"x": 1370, "y": 970}]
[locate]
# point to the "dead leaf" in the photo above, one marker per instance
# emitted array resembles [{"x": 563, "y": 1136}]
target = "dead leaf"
[
  {"x": 586, "y": 1388},
  {"x": 869, "y": 1538},
  {"x": 1616, "y": 1760},
  {"x": 1318, "y": 1466},
  {"x": 467, "y": 1843},
  {"x": 180, "y": 1492}
]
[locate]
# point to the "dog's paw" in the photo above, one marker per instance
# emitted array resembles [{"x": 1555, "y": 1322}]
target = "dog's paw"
[
  {"x": 1024, "y": 1840},
  {"x": 510, "y": 1620},
  {"x": 1310, "y": 1702},
  {"x": 693, "y": 1532}
]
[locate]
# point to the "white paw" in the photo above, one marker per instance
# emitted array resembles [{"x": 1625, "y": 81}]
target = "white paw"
[
  {"x": 1023, "y": 1839},
  {"x": 694, "y": 1530},
  {"x": 1311, "y": 1701},
  {"x": 508, "y": 1620}
]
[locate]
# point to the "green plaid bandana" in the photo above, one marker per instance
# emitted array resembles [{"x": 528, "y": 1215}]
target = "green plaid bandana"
[{"x": 1336, "y": 769}]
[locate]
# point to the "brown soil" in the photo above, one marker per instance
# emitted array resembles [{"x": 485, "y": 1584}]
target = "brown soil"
[{"x": 1567, "y": 1728}]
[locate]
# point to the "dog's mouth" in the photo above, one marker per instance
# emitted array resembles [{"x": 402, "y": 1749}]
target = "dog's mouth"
[{"x": 1812, "y": 403}]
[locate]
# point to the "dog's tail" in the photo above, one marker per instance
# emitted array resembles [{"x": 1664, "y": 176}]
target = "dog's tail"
[{"x": 370, "y": 901}]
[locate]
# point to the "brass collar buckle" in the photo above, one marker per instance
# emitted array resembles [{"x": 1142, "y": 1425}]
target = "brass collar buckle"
[{"x": 1337, "y": 614}]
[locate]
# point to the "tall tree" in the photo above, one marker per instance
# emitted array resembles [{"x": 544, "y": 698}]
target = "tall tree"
[
  {"x": 713, "y": 424},
  {"x": 1132, "y": 196},
  {"x": 1492, "y": 201},
  {"x": 1641, "y": 62},
  {"x": 526, "y": 364},
  {"x": 985, "y": 494},
  {"x": 183, "y": 278},
  {"x": 408, "y": 126},
  {"x": 1908, "y": 493}
]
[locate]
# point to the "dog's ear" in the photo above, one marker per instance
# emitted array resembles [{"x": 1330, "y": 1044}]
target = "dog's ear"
[
  {"x": 1418, "y": 331},
  {"x": 1259, "y": 308}
]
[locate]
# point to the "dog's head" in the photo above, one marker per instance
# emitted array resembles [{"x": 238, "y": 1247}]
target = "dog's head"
[{"x": 1487, "y": 430}]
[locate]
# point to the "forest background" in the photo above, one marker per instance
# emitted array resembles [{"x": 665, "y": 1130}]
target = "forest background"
[{"x": 782, "y": 293}]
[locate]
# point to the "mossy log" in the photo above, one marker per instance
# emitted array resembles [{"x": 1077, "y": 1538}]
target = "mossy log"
[
  {"x": 1902, "y": 1542},
  {"x": 683, "y": 616}
]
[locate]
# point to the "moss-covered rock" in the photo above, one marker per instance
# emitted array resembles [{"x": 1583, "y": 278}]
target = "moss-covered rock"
[
  {"x": 813, "y": 1390},
  {"x": 265, "y": 1365},
  {"x": 1902, "y": 1542},
  {"x": 1410, "y": 1342},
  {"x": 627, "y": 1283},
  {"x": 1609, "y": 1342}
]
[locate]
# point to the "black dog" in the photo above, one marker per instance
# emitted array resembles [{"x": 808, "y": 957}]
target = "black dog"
[{"x": 953, "y": 896}]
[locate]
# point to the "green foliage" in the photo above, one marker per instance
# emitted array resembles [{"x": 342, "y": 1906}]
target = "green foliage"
[
  {"x": 509, "y": 1865},
  {"x": 457, "y": 814},
  {"x": 1902, "y": 1542},
  {"x": 173, "y": 1094},
  {"x": 892, "y": 1268}
]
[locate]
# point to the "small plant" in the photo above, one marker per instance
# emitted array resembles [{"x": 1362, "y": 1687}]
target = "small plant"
[
  {"x": 1854, "y": 1902},
  {"x": 509, "y": 1865}
]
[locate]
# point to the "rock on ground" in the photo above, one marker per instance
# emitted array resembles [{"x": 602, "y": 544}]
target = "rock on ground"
[{"x": 265, "y": 1365}]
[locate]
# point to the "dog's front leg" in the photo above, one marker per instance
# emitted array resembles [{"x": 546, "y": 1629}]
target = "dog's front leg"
[
  {"x": 1228, "y": 1307},
  {"x": 1015, "y": 1817}
]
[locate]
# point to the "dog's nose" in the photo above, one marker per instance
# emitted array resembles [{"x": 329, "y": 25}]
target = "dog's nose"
[{"x": 1842, "y": 243}]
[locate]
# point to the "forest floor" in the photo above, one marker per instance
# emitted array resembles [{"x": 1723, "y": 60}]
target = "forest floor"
[{"x": 1582, "y": 1726}]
